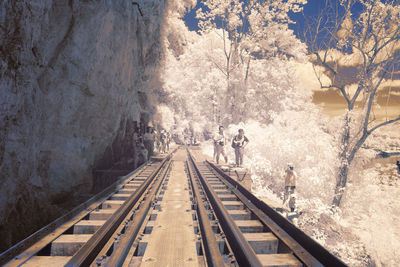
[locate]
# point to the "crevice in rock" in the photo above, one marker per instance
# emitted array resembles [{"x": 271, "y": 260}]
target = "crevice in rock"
[{"x": 59, "y": 48}]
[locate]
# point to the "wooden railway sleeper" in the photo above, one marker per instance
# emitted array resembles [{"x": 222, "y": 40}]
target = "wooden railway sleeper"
[
  {"x": 42, "y": 239},
  {"x": 212, "y": 252},
  {"x": 308, "y": 251},
  {"x": 244, "y": 254},
  {"x": 119, "y": 255},
  {"x": 89, "y": 251}
]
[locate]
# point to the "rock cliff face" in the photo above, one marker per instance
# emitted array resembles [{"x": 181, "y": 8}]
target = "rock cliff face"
[{"x": 74, "y": 76}]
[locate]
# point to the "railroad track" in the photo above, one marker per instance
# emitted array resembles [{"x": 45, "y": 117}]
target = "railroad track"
[
  {"x": 177, "y": 212},
  {"x": 256, "y": 234},
  {"x": 93, "y": 230}
]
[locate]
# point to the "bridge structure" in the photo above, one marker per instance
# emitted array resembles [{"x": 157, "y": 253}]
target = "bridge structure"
[{"x": 178, "y": 210}]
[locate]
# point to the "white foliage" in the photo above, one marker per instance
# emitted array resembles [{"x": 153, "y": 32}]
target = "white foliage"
[
  {"x": 276, "y": 112},
  {"x": 296, "y": 137},
  {"x": 167, "y": 117}
]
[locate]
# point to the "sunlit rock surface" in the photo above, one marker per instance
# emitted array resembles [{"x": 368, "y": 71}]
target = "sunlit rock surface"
[{"x": 74, "y": 76}]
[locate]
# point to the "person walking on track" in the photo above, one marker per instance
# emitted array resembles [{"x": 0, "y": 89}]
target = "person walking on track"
[
  {"x": 238, "y": 143},
  {"x": 163, "y": 141},
  {"x": 398, "y": 166},
  {"x": 148, "y": 142},
  {"x": 290, "y": 185},
  {"x": 168, "y": 140},
  {"x": 219, "y": 142}
]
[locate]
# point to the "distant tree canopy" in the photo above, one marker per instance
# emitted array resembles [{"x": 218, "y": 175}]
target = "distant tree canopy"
[{"x": 241, "y": 51}]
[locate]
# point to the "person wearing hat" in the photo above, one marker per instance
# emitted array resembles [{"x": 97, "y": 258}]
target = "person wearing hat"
[
  {"x": 219, "y": 143},
  {"x": 398, "y": 166},
  {"x": 168, "y": 141},
  {"x": 163, "y": 141},
  {"x": 290, "y": 183},
  {"x": 292, "y": 202},
  {"x": 142, "y": 155},
  {"x": 238, "y": 143},
  {"x": 148, "y": 141}
]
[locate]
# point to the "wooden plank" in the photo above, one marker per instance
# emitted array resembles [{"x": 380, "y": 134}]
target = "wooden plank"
[
  {"x": 67, "y": 245},
  {"x": 172, "y": 241},
  {"x": 250, "y": 226},
  {"x": 233, "y": 205},
  {"x": 101, "y": 214},
  {"x": 281, "y": 260},
  {"x": 262, "y": 243},
  {"x": 87, "y": 226},
  {"x": 40, "y": 261},
  {"x": 240, "y": 214}
]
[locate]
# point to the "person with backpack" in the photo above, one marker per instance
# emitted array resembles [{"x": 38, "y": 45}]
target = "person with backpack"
[
  {"x": 219, "y": 143},
  {"x": 168, "y": 140},
  {"x": 163, "y": 141},
  {"x": 238, "y": 143},
  {"x": 148, "y": 142},
  {"x": 290, "y": 177}
]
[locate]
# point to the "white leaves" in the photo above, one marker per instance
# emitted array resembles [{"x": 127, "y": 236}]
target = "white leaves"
[
  {"x": 287, "y": 139},
  {"x": 251, "y": 20},
  {"x": 167, "y": 117},
  {"x": 223, "y": 74},
  {"x": 346, "y": 30}
]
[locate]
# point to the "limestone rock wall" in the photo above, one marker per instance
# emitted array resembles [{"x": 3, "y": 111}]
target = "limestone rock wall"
[{"x": 74, "y": 76}]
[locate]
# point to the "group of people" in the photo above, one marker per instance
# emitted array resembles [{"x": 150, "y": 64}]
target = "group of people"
[
  {"x": 163, "y": 140},
  {"x": 239, "y": 142},
  {"x": 160, "y": 140}
]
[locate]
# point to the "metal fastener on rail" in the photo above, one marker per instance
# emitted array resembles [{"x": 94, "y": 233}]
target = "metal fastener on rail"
[
  {"x": 213, "y": 255},
  {"x": 304, "y": 247},
  {"x": 119, "y": 254},
  {"x": 244, "y": 254},
  {"x": 88, "y": 252}
]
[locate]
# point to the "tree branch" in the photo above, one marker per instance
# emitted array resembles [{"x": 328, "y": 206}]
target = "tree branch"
[{"x": 383, "y": 124}]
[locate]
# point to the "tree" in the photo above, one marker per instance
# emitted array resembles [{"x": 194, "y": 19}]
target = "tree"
[
  {"x": 235, "y": 70},
  {"x": 193, "y": 84},
  {"x": 355, "y": 48},
  {"x": 248, "y": 30},
  {"x": 196, "y": 90}
]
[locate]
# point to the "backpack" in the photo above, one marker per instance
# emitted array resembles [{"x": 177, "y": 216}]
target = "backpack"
[
  {"x": 162, "y": 137},
  {"x": 233, "y": 143}
]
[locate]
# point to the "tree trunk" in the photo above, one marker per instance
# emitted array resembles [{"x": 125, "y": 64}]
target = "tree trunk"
[
  {"x": 340, "y": 184},
  {"x": 343, "y": 171}
]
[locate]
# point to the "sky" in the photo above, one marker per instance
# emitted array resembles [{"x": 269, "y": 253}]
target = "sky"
[{"x": 310, "y": 9}]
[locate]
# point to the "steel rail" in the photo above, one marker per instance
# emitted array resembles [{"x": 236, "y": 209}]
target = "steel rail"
[
  {"x": 88, "y": 252},
  {"x": 244, "y": 254},
  {"x": 76, "y": 213},
  {"x": 212, "y": 252},
  {"x": 304, "y": 247},
  {"x": 121, "y": 251}
]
